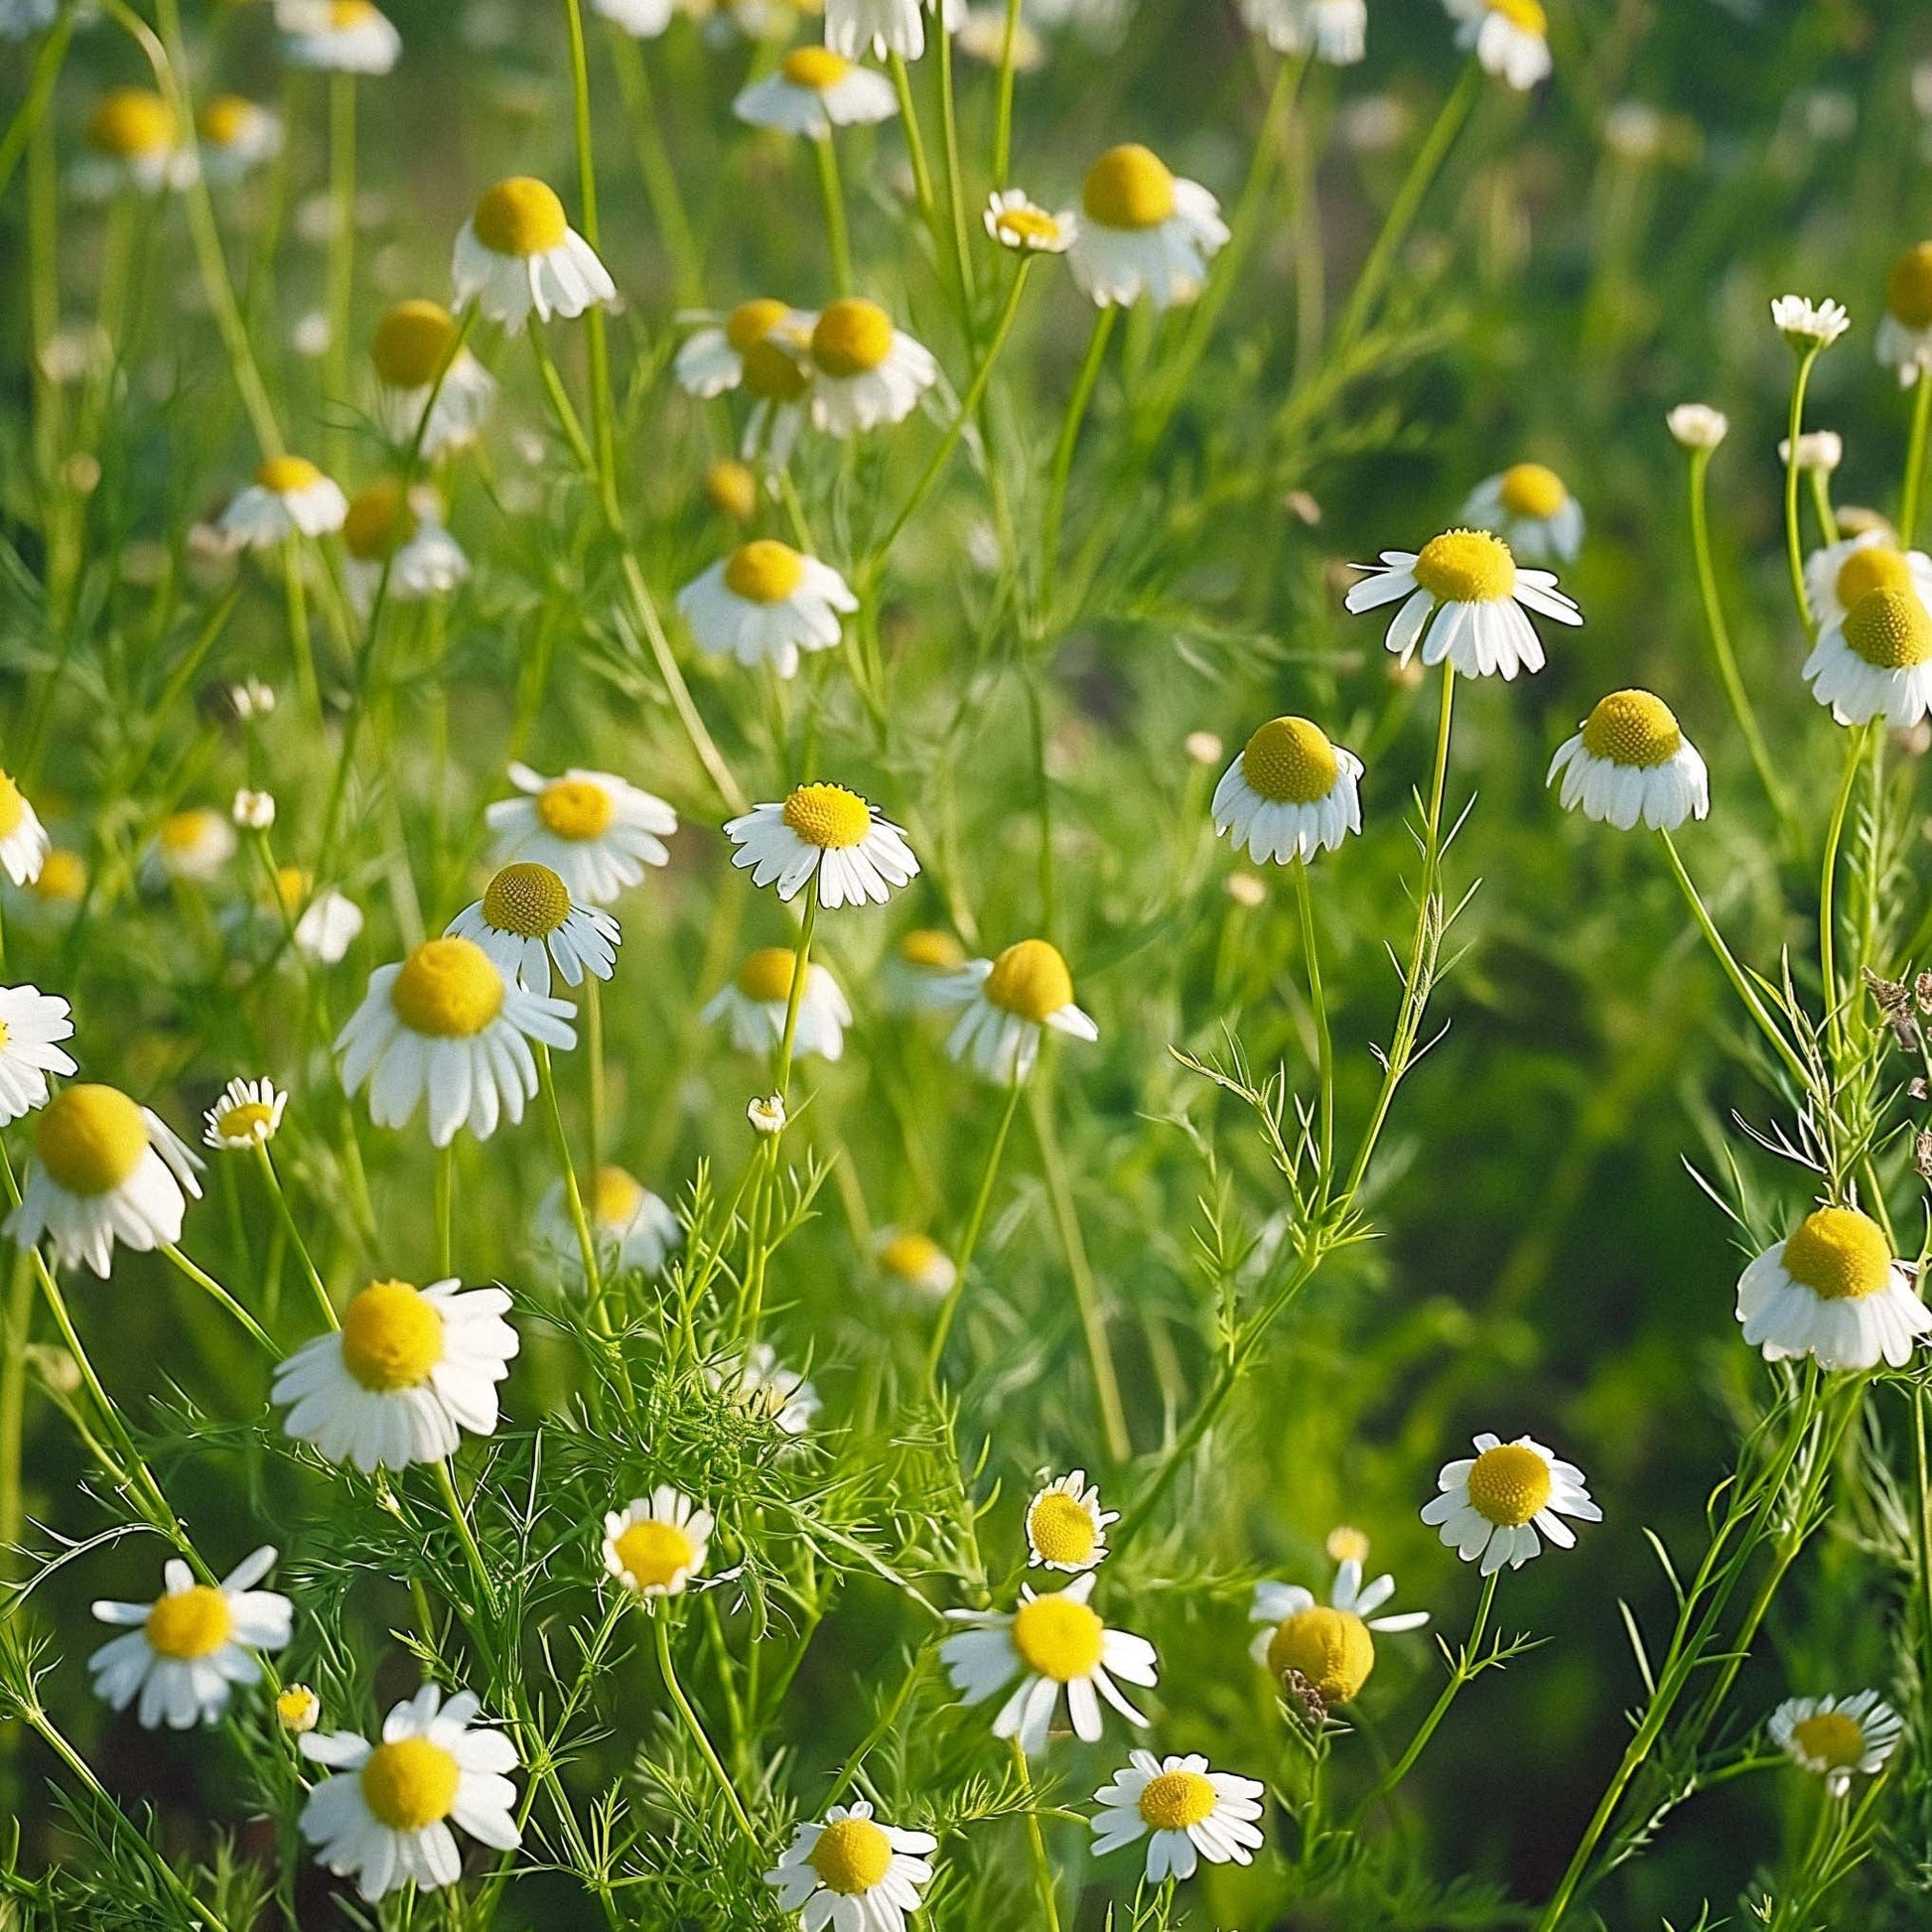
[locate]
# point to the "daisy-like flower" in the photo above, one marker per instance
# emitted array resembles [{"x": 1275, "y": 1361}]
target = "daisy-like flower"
[
  {"x": 248, "y": 1114},
  {"x": 1017, "y": 222},
  {"x": 1334, "y": 30},
  {"x": 1291, "y": 793},
  {"x": 1051, "y": 1643},
  {"x": 915, "y": 1261},
  {"x": 851, "y": 1873},
  {"x": 815, "y": 90},
  {"x": 187, "y": 1650},
  {"x": 732, "y": 350},
  {"x": 525, "y": 921},
  {"x": 289, "y": 497},
  {"x": 236, "y": 136},
  {"x": 389, "y": 529},
  {"x": 1904, "y": 341},
  {"x": 762, "y": 1384},
  {"x": 1841, "y": 573},
  {"x": 1837, "y": 1738},
  {"x": 1630, "y": 760},
  {"x": 131, "y": 140},
  {"x": 866, "y": 372},
  {"x": 1330, "y": 1644},
  {"x": 1067, "y": 1529},
  {"x": 339, "y": 36},
  {"x": 1697, "y": 426},
  {"x": 104, "y": 1170},
  {"x": 1833, "y": 1289},
  {"x": 1806, "y": 325},
  {"x": 24, "y": 844},
  {"x": 1144, "y": 232},
  {"x": 447, "y": 1023},
  {"x": 644, "y": 19},
  {"x": 408, "y": 1371},
  {"x": 384, "y": 1818},
  {"x": 326, "y": 923},
  {"x": 594, "y": 830},
  {"x": 767, "y": 1113},
  {"x": 634, "y": 1228},
  {"x": 1185, "y": 1811},
  {"x": 882, "y": 27},
  {"x": 1493, "y": 1503},
  {"x": 192, "y": 845},
  {"x": 252, "y": 811},
  {"x": 1822, "y": 450},
  {"x": 1511, "y": 37},
  {"x": 411, "y": 344},
  {"x": 764, "y": 603},
  {"x": 518, "y": 253},
  {"x": 298, "y": 1710},
  {"x": 1528, "y": 507},
  {"x": 827, "y": 832},
  {"x": 755, "y": 1003},
  {"x": 30, "y": 1022},
  {"x": 1465, "y": 598},
  {"x": 1009, "y": 1001},
  {"x": 918, "y": 972},
  {"x": 1876, "y": 662},
  {"x": 656, "y": 1544},
  {"x": 731, "y": 488}
]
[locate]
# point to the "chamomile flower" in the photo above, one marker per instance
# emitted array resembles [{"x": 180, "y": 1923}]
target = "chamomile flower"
[
  {"x": 731, "y": 488},
  {"x": 755, "y": 1003},
  {"x": 1876, "y": 662},
  {"x": 1330, "y": 1644},
  {"x": 289, "y": 497},
  {"x": 1630, "y": 760},
  {"x": 596, "y": 831},
  {"x": 867, "y": 372},
  {"x": 401, "y": 532},
  {"x": 1334, "y": 30},
  {"x": 644, "y": 19},
  {"x": 30, "y": 1022},
  {"x": 1806, "y": 325},
  {"x": 1017, "y": 222},
  {"x": 1493, "y": 1503},
  {"x": 1834, "y": 1290},
  {"x": 184, "y": 1653},
  {"x": 1463, "y": 599},
  {"x": 337, "y": 36},
  {"x": 882, "y": 27},
  {"x": 851, "y": 1873},
  {"x": 1511, "y": 37},
  {"x": 248, "y": 1115},
  {"x": 732, "y": 350},
  {"x": 1528, "y": 507},
  {"x": 920, "y": 970},
  {"x": 1818, "y": 450},
  {"x": 449, "y": 1027},
  {"x": 517, "y": 253},
  {"x": 252, "y": 811},
  {"x": 762, "y": 1385},
  {"x": 237, "y": 137},
  {"x": 298, "y": 1710},
  {"x": 407, "y": 1372},
  {"x": 192, "y": 846},
  {"x": 24, "y": 843},
  {"x": 815, "y": 90},
  {"x": 767, "y": 1113},
  {"x": 327, "y": 923},
  {"x": 1841, "y": 573},
  {"x": 914, "y": 1261},
  {"x": 634, "y": 1230},
  {"x": 1904, "y": 341},
  {"x": 1291, "y": 793},
  {"x": 1009, "y": 1003},
  {"x": 104, "y": 1170},
  {"x": 132, "y": 141},
  {"x": 764, "y": 603},
  {"x": 384, "y": 1818},
  {"x": 1185, "y": 1811},
  {"x": 1697, "y": 426},
  {"x": 412, "y": 343},
  {"x": 1051, "y": 1643},
  {"x": 526, "y": 922},
  {"x": 829, "y": 833},
  {"x": 1144, "y": 232},
  {"x": 1837, "y": 1738},
  {"x": 656, "y": 1544},
  {"x": 1067, "y": 1529}
]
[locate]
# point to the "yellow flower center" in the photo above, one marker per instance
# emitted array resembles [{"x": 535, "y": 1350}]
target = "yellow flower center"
[
  {"x": 937, "y": 951},
  {"x": 1876, "y": 567},
  {"x": 224, "y": 120},
  {"x": 654, "y": 1553},
  {"x": 519, "y": 216},
  {"x": 764, "y": 572},
  {"x": 1018, "y": 225},
  {"x": 1908, "y": 288},
  {"x": 1175, "y": 1800},
  {"x": 1632, "y": 728},
  {"x": 1509, "y": 1484},
  {"x": 816, "y": 67},
  {"x": 851, "y": 1856},
  {"x": 13, "y": 807},
  {"x": 297, "y": 1708},
  {"x": 751, "y": 322},
  {"x": 731, "y": 488},
  {"x": 851, "y": 335},
  {"x": 910, "y": 1256},
  {"x": 63, "y": 874},
  {"x": 190, "y": 1623},
  {"x": 449, "y": 989},
  {"x": 576, "y": 808},
  {"x": 379, "y": 521},
  {"x": 411, "y": 1784},
  {"x": 1128, "y": 188},
  {"x": 1466, "y": 567},
  {"x": 1839, "y": 1254},
  {"x": 130, "y": 122},
  {"x": 1290, "y": 761},
  {"x": 291, "y": 887},
  {"x": 1333, "y": 1649},
  {"x": 1528, "y": 15},
  {"x": 1831, "y": 1739},
  {"x": 1346, "y": 1545},
  {"x": 1060, "y": 1529},
  {"x": 285, "y": 475},
  {"x": 180, "y": 833},
  {"x": 1529, "y": 489},
  {"x": 525, "y": 899},
  {"x": 346, "y": 14},
  {"x": 410, "y": 343},
  {"x": 766, "y": 975},
  {"x": 615, "y": 1197},
  {"x": 1031, "y": 981},
  {"x": 828, "y": 816},
  {"x": 392, "y": 1337},
  {"x": 249, "y": 1121},
  {"x": 1889, "y": 630},
  {"x": 89, "y": 1138},
  {"x": 771, "y": 375},
  {"x": 1059, "y": 1639}
]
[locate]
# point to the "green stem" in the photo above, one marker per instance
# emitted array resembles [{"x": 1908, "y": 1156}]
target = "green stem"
[
  {"x": 13, "y": 1405},
  {"x": 654, "y": 163},
  {"x": 661, "y": 1632},
  {"x": 603, "y": 407},
  {"x": 955, "y": 177},
  {"x": 1069, "y": 436},
  {"x": 593, "y": 1069},
  {"x": 1003, "y": 115},
  {"x": 1324, "y": 1043},
  {"x": 573, "y": 1194},
  {"x": 1793, "y": 542},
  {"x": 1914, "y": 484},
  {"x": 794, "y": 999},
  {"x": 832, "y": 193},
  {"x": 341, "y": 245},
  {"x": 969, "y": 1238},
  {"x": 446, "y": 1211},
  {"x": 318, "y": 1287},
  {"x": 909, "y": 116},
  {"x": 471, "y": 1550},
  {"x": 220, "y": 1295},
  {"x": 1043, "y": 1882},
  {"x": 301, "y": 644},
  {"x": 1827, "y": 881}
]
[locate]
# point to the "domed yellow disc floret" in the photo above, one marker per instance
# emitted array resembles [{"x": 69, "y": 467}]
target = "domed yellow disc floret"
[
  {"x": 392, "y": 1337},
  {"x": 654, "y": 1553},
  {"x": 1060, "y": 1529},
  {"x": 63, "y": 874},
  {"x": 731, "y": 488},
  {"x": 1059, "y": 1639},
  {"x": 525, "y": 899},
  {"x": 851, "y": 1857},
  {"x": 13, "y": 808},
  {"x": 449, "y": 989},
  {"x": 1632, "y": 728},
  {"x": 250, "y": 1120},
  {"x": 851, "y": 336},
  {"x": 224, "y": 120},
  {"x": 1128, "y": 186},
  {"x": 615, "y": 1197},
  {"x": 411, "y": 1784},
  {"x": 1839, "y": 1254},
  {"x": 1525, "y": 14},
  {"x": 1330, "y": 1649},
  {"x": 1509, "y": 1484},
  {"x": 1908, "y": 288},
  {"x": 1873, "y": 566},
  {"x": 1831, "y": 1739},
  {"x": 751, "y": 322},
  {"x": 1889, "y": 630},
  {"x": 90, "y": 1139},
  {"x": 773, "y": 373},
  {"x": 766, "y": 975},
  {"x": 765, "y": 570},
  {"x": 378, "y": 522},
  {"x": 285, "y": 474},
  {"x": 816, "y": 67},
  {"x": 1290, "y": 761},
  {"x": 1172, "y": 1801},
  {"x": 410, "y": 343},
  {"x": 1530, "y": 489},
  {"x": 1031, "y": 981},
  {"x": 910, "y": 1256},
  {"x": 190, "y": 1623},
  {"x": 828, "y": 816},
  {"x": 130, "y": 122},
  {"x": 1466, "y": 567},
  {"x": 576, "y": 808},
  {"x": 297, "y": 1708},
  {"x": 519, "y": 216},
  {"x": 937, "y": 951}
]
